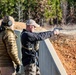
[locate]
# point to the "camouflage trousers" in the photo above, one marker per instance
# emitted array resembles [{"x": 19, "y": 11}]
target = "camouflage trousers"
[
  {"x": 7, "y": 71},
  {"x": 32, "y": 69}
]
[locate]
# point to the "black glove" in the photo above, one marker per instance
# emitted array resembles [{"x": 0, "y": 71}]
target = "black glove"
[{"x": 17, "y": 68}]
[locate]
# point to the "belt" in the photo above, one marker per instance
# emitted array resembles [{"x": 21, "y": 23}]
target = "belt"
[{"x": 26, "y": 48}]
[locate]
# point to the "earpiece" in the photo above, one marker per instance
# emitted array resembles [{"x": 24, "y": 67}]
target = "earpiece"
[{"x": 8, "y": 22}]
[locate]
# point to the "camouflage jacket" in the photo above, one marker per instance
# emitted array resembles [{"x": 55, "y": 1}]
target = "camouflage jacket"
[{"x": 8, "y": 48}]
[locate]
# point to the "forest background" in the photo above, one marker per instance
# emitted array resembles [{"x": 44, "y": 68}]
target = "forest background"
[{"x": 43, "y": 11}]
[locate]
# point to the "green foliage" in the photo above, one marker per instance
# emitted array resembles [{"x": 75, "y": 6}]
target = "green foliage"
[
  {"x": 5, "y": 7},
  {"x": 71, "y": 2},
  {"x": 53, "y": 9},
  {"x": 36, "y": 9},
  {"x": 30, "y": 8}
]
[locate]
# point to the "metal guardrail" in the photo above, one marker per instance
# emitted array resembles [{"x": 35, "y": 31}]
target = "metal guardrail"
[{"x": 49, "y": 62}]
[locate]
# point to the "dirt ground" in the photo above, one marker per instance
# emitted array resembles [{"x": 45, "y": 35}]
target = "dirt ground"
[
  {"x": 19, "y": 25},
  {"x": 65, "y": 46}
]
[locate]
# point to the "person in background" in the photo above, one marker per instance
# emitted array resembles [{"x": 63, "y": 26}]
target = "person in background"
[
  {"x": 29, "y": 38},
  {"x": 8, "y": 47}
]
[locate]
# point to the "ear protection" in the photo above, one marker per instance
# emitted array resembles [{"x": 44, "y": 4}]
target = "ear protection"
[{"x": 8, "y": 23}]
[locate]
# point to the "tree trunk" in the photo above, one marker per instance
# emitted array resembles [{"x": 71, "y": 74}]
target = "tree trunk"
[
  {"x": 64, "y": 5},
  {"x": 72, "y": 13}
]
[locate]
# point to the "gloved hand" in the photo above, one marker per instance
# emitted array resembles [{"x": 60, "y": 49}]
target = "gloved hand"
[{"x": 17, "y": 68}]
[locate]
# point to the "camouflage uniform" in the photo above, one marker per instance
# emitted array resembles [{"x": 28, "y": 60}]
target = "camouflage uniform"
[
  {"x": 8, "y": 52},
  {"x": 32, "y": 69}
]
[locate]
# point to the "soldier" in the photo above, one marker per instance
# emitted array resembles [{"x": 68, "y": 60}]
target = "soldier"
[
  {"x": 29, "y": 39},
  {"x": 8, "y": 47}
]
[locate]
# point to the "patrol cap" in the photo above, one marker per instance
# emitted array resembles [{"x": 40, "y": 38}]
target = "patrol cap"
[{"x": 32, "y": 22}]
